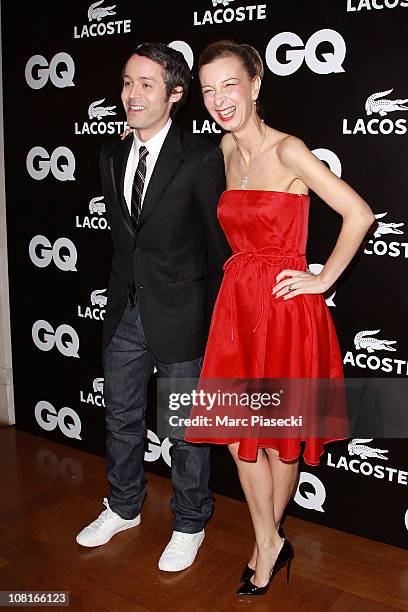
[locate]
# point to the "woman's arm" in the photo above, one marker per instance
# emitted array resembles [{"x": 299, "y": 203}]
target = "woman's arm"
[{"x": 356, "y": 213}]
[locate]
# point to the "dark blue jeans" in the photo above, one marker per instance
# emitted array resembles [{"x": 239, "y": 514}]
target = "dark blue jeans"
[{"x": 128, "y": 365}]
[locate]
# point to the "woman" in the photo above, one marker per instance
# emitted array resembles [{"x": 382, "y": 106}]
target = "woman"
[{"x": 270, "y": 319}]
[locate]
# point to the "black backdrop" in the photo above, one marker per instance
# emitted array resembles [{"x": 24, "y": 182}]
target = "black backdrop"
[{"x": 323, "y": 61}]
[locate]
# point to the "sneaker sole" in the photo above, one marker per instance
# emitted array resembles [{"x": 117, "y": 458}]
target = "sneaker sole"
[
  {"x": 136, "y": 522},
  {"x": 185, "y": 566}
]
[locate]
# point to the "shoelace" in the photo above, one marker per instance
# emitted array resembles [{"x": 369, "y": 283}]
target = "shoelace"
[
  {"x": 104, "y": 516},
  {"x": 177, "y": 542}
]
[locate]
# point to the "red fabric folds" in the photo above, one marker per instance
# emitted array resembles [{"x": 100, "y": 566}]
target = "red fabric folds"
[{"x": 254, "y": 335}]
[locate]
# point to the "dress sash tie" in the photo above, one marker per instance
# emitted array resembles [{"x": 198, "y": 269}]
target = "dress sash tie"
[{"x": 270, "y": 255}]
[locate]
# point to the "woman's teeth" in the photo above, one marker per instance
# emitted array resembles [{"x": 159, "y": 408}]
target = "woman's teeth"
[{"x": 227, "y": 114}]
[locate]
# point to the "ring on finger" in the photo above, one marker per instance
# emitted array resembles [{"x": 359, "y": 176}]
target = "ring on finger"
[{"x": 289, "y": 287}]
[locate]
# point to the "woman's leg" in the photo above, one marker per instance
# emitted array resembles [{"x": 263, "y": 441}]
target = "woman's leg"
[
  {"x": 284, "y": 477},
  {"x": 257, "y": 484},
  {"x": 259, "y": 488}
]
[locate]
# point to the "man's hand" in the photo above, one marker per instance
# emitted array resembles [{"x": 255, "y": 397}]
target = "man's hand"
[{"x": 126, "y": 133}]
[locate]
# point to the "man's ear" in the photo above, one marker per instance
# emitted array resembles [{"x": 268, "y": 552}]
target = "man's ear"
[{"x": 176, "y": 94}]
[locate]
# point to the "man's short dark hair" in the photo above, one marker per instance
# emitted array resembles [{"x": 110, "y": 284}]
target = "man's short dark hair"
[{"x": 175, "y": 69}]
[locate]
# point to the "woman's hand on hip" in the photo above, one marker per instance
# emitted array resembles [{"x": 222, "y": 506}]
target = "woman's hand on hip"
[{"x": 290, "y": 283}]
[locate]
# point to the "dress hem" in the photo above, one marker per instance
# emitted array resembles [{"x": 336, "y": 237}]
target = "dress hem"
[{"x": 253, "y": 460}]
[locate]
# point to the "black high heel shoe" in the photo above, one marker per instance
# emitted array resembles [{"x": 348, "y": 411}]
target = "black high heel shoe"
[
  {"x": 248, "y": 571},
  {"x": 284, "y": 557}
]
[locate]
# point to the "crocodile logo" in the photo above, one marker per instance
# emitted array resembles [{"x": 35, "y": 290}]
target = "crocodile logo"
[
  {"x": 97, "y": 206},
  {"x": 96, "y": 111},
  {"x": 222, "y": 2},
  {"x": 364, "y": 340},
  {"x": 97, "y": 385},
  {"x": 376, "y": 103},
  {"x": 97, "y": 299},
  {"x": 387, "y": 228},
  {"x": 98, "y": 12},
  {"x": 357, "y": 446}
]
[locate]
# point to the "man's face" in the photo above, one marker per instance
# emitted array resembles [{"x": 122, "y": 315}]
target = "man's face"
[{"x": 144, "y": 96}]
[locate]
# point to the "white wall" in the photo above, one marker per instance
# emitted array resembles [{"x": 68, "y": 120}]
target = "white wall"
[{"x": 6, "y": 380}]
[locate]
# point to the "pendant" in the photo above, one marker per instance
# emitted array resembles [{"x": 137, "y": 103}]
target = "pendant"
[{"x": 244, "y": 183}]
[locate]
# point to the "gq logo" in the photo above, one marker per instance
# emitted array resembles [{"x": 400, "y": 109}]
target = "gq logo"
[
  {"x": 185, "y": 49},
  {"x": 330, "y": 158},
  {"x": 40, "y": 170},
  {"x": 63, "y": 253},
  {"x": 310, "y": 493},
  {"x": 38, "y": 71},
  {"x": 64, "y": 338},
  {"x": 294, "y": 57},
  {"x": 66, "y": 419},
  {"x": 53, "y": 467},
  {"x": 157, "y": 449}
]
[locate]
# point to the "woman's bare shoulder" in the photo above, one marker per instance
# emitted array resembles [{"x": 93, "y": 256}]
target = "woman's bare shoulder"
[{"x": 288, "y": 145}]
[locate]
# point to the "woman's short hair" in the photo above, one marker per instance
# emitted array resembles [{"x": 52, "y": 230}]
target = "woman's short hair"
[{"x": 247, "y": 55}]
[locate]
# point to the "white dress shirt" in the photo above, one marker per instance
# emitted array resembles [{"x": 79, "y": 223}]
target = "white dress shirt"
[{"x": 153, "y": 145}]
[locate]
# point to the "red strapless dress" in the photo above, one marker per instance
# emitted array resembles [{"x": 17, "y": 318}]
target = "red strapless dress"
[{"x": 254, "y": 335}]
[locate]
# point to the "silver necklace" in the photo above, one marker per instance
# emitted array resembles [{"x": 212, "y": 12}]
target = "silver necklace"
[{"x": 244, "y": 182}]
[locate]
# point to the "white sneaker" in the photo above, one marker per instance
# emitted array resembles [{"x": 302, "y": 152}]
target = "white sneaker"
[
  {"x": 104, "y": 527},
  {"x": 181, "y": 551}
]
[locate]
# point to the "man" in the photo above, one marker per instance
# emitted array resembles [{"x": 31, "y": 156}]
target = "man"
[{"x": 161, "y": 186}]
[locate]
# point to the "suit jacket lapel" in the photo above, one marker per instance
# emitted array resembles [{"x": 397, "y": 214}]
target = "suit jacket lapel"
[
  {"x": 167, "y": 164},
  {"x": 119, "y": 162}
]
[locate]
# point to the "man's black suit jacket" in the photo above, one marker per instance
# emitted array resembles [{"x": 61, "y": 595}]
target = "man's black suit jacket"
[{"x": 176, "y": 255}]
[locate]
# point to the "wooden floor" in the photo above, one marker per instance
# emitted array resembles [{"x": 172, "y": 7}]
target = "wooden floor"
[{"x": 49, "y": 491}]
